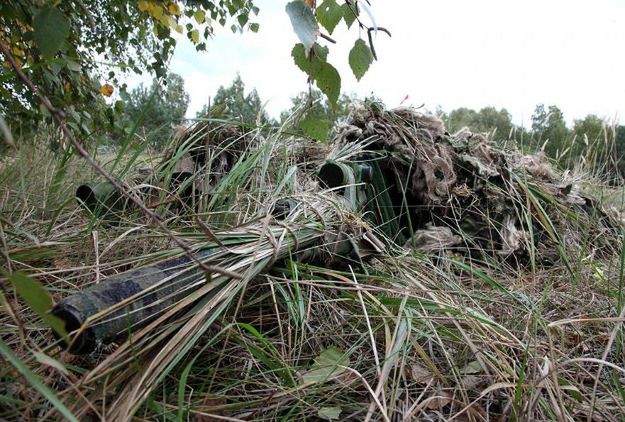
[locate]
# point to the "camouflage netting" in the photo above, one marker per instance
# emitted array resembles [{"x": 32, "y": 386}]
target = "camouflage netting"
[{"x": 460, "y": 193}]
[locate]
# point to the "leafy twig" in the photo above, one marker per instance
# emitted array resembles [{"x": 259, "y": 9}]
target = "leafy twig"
[
  {"x": 354, "y": 8},
  {"x": 59, "y": 118}
]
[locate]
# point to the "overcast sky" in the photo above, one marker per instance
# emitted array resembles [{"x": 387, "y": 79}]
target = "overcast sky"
[{"x": 474, "y": 53}]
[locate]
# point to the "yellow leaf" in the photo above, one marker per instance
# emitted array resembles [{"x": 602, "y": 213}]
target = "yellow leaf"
[
  {"x": 67, "y": 87},
  {"x": 157, "y": 11},
  {"x": 199, "y": 16},
  {"x": 310, "y": 3},
  {"x": 173, "y": 9},
  {"x": 178, "y": 29},
  {"x": 171, "y": 22},
  {"x": 17, "y": 51},
  {"x": 106, "y": 90},
  {"x": 143, "y": 5}
]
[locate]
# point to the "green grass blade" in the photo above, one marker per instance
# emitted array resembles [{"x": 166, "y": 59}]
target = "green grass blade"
[{"x": 32, "y": 378}]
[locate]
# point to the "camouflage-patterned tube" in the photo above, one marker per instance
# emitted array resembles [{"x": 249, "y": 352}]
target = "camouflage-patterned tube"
[{"x": 163, "y": 284}]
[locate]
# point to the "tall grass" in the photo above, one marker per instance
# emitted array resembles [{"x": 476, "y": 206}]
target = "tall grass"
[{"x": 402, "y": 336}]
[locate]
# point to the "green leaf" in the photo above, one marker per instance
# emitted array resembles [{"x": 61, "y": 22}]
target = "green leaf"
[
  {"x": 360, "y": 57},
  {"x": 320, "y": 52},
  {"x": 34, "y": 380},
  {"x": 348, "y": 14},
  {"x": 119, "y": 106},
  {"x": 329, "y": 364},
  {"x": 315, "y": 128},
  {"x": 38, "y": 299},
  {"x": 32, "y": 292},
  {"x": 299, "y": 57},
  {"x": 304, "y": 23},
  {"x": 330, "y": 413},
  {"x": 50, "y": 30},
  {"x": 323, "y": 73},
  {"x": 200, "y": 16},
  {"x": 303, "y": 61},
  {"x": 327, "y": 78},
  {"x": 242, "y": 19},
  {"x": 329, "y": 14},
  {"x": 254, "y": 27},
  {"x": 73, "y": 66},
  {"x": 195, "y": 36}
]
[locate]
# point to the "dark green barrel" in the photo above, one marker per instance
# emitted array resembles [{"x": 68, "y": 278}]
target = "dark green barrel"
[{"x": 178, "y": 277}]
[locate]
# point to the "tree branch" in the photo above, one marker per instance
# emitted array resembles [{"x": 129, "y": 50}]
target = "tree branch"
[{"x": 59, "y": 118}]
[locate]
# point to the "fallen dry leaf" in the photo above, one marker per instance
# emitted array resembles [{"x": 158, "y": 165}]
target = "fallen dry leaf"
[
  {"x": 420, "y": 374},
  {"x": 439, "y": 400}
]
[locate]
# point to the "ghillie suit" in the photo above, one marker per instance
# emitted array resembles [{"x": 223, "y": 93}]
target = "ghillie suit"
[
  {"x": 200, "y": 157},
  {"x": 437, "y": 191}
]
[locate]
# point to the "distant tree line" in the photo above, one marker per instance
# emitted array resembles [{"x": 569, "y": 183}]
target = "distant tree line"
[
  {"x": 592, "y": 141},
  {"x": 153, "y": 112}
]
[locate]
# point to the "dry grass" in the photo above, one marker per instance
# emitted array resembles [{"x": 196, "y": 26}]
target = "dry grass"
[{"x": 446, "y": 335}]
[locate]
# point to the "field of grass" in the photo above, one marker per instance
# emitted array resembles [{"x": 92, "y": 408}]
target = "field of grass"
[{"x": 460, "y": 333}]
